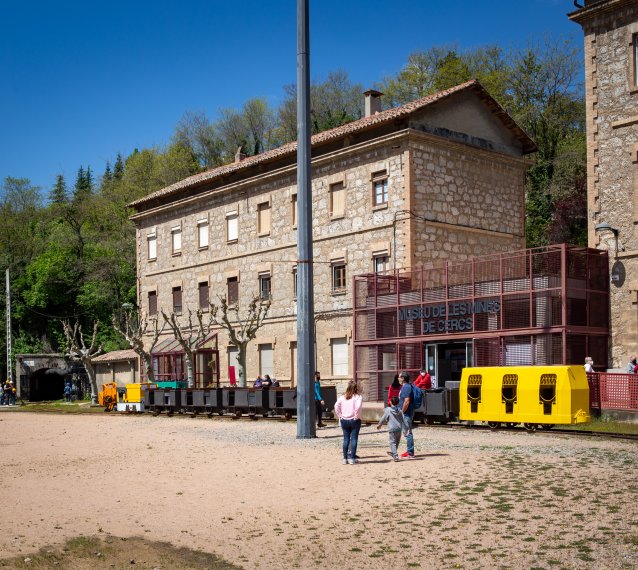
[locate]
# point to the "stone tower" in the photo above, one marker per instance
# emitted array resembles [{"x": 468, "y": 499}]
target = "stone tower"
[{"x": 611, "y": 77}]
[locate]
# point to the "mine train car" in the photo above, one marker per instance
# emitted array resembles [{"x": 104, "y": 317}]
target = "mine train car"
[
  {"x": 253, "y": 402},
  {"x": 535, "y": 396}
]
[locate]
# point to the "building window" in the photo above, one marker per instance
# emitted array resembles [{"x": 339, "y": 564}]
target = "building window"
[
  {"x": 293, "y": 211},
  {"x": 380, "y": 188},
  {"x": 152, "y": 303},
  {"x": 265, "y": 359},
  {"x": 294, "y": 281},
  {"x": 202, "y": 234},
  {"x": 203, "y": 290},
  {"x": 635, "y": 58},
  {"x": 381, "y": 263},
  {"x": 338, "y": 276},
  {"x": 264, "y": 285},
  {"x": 176, "y": 240},
  {"x": 151, "y": 246},
  {"x": 177, "y": 300},
  {"x": 232, "y": 285},
  {"x": 232, "y": 226},
  {"x": 339, "y": 351},
  {"x": 337, "y": 200},
  {"x": 263, "y": 219}
]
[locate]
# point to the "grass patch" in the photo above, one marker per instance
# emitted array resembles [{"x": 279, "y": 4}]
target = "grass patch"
[{"x": 102, "y": 553}]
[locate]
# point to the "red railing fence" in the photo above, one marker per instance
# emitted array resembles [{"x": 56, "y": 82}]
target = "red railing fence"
[{"x": 613, "y": 391}]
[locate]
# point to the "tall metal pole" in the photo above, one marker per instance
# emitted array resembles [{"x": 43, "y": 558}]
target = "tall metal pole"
[
  {"x": 9, "y": 347},
  {"x": 305, "y": 295}
]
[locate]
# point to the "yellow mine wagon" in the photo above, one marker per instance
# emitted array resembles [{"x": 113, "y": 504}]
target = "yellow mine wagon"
[
  {"x": 132, "y": 399},
  {"x": 536, "y": 396}
]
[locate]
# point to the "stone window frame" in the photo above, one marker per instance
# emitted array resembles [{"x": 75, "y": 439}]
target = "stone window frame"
[
  {"x": 176, "y": 230},
  {"x": 634, "y": 161},
  {"x": 263, "y": 278},
  {"x": 201, "y": 284},
  {"x": 333, "y": 182},
  {"x": 293, "y": 209},
  {"x": 632, "y": 59},
  {"x": 152, "y": 293},
  {"x": 200, "y": 223},
  {"x": 380, "y": 255},
  {"x": 232, "y": 277},
  {"x": 151, "y": 236},
  {"x": 376, "y": 177},
  {"x": 338, "y": 273},
  {"x": 263, "y": 205},
  {"x": 177, "y": 293},
  {"x": 232, "y": 214}
]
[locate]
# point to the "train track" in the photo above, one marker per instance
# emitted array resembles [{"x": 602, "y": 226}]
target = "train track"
[{"x": 519, "y": 429}]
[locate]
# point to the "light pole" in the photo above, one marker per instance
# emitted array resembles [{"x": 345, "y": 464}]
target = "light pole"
[{"x": 305, "y": 296}]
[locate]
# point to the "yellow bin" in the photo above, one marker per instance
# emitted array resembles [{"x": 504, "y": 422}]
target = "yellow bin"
[{"x": 525, "y": 394}]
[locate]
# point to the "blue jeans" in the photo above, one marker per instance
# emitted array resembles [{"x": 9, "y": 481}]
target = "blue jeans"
[
  {"x": 408, "y": 438},
  {"x": 350, "y": 437}
]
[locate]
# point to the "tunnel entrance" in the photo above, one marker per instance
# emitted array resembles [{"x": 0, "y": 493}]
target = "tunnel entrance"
[{"x": 47, "y": 384}]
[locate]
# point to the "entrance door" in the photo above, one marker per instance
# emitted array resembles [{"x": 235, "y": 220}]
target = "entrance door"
[{"x": 445, "y": 360}]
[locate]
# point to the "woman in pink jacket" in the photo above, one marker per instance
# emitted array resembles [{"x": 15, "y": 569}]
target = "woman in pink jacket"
[{"x": 348, "y": 410}]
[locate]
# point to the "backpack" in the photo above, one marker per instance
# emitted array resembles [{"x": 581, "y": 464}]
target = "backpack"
[{"x": 417, "y": 397}]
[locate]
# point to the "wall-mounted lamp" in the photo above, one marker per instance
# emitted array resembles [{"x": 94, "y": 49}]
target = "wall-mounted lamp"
[{"x": 604, "y": 227}]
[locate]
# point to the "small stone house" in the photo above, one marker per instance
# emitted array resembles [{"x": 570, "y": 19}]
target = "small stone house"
[{"x": 119, "y": 366}]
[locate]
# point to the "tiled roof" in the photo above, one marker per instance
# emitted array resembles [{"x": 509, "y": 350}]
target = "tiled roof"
[
  {"x": 116, "y": 356},
  {"x": 341, "y": 131}
]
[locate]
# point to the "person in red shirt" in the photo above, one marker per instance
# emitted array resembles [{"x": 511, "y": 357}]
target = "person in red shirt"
[
  {"x": 423, "y": 380},
  {"x": 394, "y": 389}
]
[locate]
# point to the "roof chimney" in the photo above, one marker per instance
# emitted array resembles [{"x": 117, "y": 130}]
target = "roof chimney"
[
  {"x": 373, "y": 102},
  {"x": 240, "y": 154}
]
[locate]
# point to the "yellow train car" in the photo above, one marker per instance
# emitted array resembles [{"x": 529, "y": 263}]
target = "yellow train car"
[
  {"x": 132, "y": 399},
  {"x": 532, "y": 395}
]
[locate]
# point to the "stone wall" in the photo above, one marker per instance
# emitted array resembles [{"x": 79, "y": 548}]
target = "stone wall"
[
  {"x": 612, "y": 157},
  {"x": 474, "y": 201},
  {"x": 423, "y": 173}
]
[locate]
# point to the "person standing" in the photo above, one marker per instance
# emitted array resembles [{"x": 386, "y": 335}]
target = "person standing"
[
  {"x": 395, "y": 419},
  {"x": 589, "y": 364},
  {"x": 67, "y": 392},
  {"x": 319, "y": 403},
  {"x": 406, "y": 404},
  {"x": 631, "y": 365},
  {"x": 394, "y": 389},
  {"x": 348, "y": 410}
]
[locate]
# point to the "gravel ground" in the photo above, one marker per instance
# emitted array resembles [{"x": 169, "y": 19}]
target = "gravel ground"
[{"x": 255, "y": 495}]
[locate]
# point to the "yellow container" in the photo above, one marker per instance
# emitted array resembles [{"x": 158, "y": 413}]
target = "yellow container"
[
  {"x": 525, "y": 394},
  {"x": 135, "y": 392}
]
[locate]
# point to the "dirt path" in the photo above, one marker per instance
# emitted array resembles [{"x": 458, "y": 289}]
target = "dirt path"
[{"x": 253, "y": 494}]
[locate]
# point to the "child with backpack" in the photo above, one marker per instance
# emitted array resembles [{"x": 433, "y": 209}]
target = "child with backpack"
[{"x": 395, "y": 419}]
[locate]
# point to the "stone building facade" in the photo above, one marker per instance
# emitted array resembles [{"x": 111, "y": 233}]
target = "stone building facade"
[
  {"x": 611, "y": 76},
  {"x": 439, "y": 178}
]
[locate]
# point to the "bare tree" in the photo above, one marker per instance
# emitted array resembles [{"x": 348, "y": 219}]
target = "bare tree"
[
  {"x": 241, "y": 330},
  {"x": 134, "y": 327},
  {"x": 77, "y": 350},
  {"x": 190, "y": 337}
]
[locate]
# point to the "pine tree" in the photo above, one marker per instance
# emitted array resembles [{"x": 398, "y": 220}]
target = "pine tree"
[
  {"x": 108, "y": 176},
  {"x": 118, "y": 170},
  {"x": 88, "y": 180},
  {"x": 58, "y": 192}
]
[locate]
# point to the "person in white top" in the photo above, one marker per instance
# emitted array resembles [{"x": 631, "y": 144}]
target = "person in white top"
[
  {"x": 589, "y": 364},
  {"x": 348, "y": 410}
]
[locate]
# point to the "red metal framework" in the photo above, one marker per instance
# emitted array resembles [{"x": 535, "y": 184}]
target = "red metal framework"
[
  {"x": 544, "y": 305},
  {"x": 611, "y": 391}
]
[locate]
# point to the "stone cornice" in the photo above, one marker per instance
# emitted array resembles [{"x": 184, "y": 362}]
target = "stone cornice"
[{"x": 602, "y": 7}]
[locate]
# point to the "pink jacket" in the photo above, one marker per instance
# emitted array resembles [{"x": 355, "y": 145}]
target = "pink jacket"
[{"x": 349, "y": 409}]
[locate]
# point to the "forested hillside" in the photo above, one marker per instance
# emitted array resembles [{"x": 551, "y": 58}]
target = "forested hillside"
[{"x": 70, "y": 248}]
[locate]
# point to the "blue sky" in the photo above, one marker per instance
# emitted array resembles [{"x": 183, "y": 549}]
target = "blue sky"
[{"x": 80, "y": 81}]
